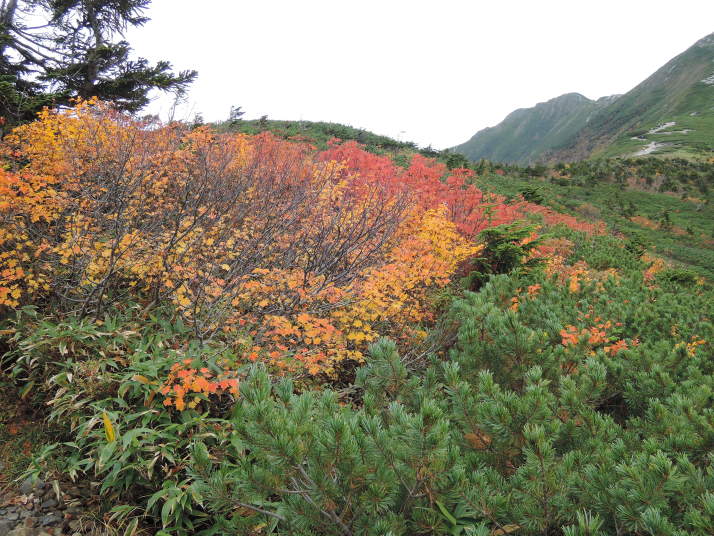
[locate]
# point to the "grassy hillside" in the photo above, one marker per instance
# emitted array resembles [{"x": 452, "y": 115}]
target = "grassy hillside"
[
  {"x": 236, "y": 334},
  {"x": 680, "y": 95},
  {"x": 526, "y": 134},
  {"x": 318, "y": 133}
]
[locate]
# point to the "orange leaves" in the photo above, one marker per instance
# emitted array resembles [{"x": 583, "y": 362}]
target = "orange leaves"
[
  {"x": 551, "y": 217},
  {"x": 578, "y": 274},
  {"x": 569, "y": 336},
  {"x": 692, "y": 345},
  {"x": 615, "y": 348},
  {"x": 299, "y": 258},
  {"x": 397, "y": 293},
  {"x": 187, "y": 386},
  {"x": 26, "y": 200},
  {"x": 655, "y": 265},
  {"x": 533, "y": 290},
  {"x": 594, "y": 335},
  {"x": 478, "y": 439},
  {"x": 574, "y": 284}
]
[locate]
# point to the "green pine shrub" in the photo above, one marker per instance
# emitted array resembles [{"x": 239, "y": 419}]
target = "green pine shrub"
[{"x": 555, "y": 410}]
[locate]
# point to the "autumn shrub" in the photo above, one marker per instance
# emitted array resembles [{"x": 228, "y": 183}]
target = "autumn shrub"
[
  {"x": 533, "y": 422},
  {"x": 301, "y": 258},
  {"x": 297, "y": 256}
]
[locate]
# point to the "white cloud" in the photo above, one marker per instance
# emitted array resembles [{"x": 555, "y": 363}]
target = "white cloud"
[{"x": 430, "y": 72}]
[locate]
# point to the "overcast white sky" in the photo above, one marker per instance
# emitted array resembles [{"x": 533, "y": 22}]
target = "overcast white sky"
[{"x": 427, "y": 71}]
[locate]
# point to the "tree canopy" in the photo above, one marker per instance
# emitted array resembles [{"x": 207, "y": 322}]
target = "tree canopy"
[{"x": 53, "y": 51}]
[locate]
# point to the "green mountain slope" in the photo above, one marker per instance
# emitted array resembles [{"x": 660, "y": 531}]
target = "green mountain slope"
[
  {"x": 318, "y": 133},
  {"x": 528, "y": 133},
  {"x": 670, "y": 113}
]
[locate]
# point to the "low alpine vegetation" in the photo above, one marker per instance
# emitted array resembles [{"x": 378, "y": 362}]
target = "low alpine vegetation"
[{"x": 241, "y": 334}]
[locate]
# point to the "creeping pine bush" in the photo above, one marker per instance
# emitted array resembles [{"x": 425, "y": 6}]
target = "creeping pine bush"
[
  {"x": 516, "y": 431},
  {"x": 559, "y": 409}
]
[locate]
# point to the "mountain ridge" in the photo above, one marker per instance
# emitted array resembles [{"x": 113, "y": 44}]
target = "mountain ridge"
[
  {"x": 527, "y": 133},
  {"x": 571, "y": 127}
]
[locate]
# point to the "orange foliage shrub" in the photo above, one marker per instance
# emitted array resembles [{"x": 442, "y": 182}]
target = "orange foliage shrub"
[
  {"x": 551, "y": 217},
  {"x": 299, "y": 258},
  {"x": 185, "y": 382}
]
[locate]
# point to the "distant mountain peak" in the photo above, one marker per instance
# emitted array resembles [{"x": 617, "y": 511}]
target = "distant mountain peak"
[
  {"x": 705, "y": 42},
  {"x": 527, "y": 133},
  {"x": 572, "y": 126}
]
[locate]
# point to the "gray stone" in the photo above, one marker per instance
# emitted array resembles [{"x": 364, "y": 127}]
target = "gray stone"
[
  {"x": 75, "y": 525},
  {"x": 50, "y": 519},
  {"x": 11, "y": 516},
  {"x": 28, "y": 486},
  {"x": 6, "y": 526},
  {"x": 48, "y": 503},
  {"x": 20, "y": 530}
]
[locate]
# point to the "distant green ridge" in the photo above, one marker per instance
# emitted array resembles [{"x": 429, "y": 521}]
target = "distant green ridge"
[
  {"x": 528, "y": 133},
  {"x": 318, "y": 133},
  {"x": 671, "y": 113},
  {"x": 673, "y": 108}
]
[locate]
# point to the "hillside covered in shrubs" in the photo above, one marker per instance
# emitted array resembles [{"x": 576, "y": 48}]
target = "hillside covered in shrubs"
[{"x": 237, "y": 333}]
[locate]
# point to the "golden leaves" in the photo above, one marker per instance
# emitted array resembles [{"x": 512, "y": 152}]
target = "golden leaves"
[
  {"x": 328, "y": 280},
  {"x": 108, "y": 427},
  {"x": 505, "y": 529}
]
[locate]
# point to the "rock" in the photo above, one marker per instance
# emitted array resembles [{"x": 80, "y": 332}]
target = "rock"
[
  {"x": 20, "y": 531},
  {"x": 51, "y": 518},
  {"x": 75, "y": 525},
  {"x": 11, "y": 516},
  {"x": 28, "y": 486},
  {"x": 48, "y": 503},
  {"x": 6, "y": 526}
]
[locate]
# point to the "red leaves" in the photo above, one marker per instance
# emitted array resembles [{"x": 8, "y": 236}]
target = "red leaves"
[{"x": 299, "y": 258}]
